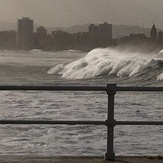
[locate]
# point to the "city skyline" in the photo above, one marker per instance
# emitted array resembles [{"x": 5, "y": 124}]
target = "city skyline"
[
  {"x": 66, "y": 13},
  {"x": 97, "y": 36}
]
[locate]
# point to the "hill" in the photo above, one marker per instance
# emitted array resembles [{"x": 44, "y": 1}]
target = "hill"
[{"x": 118, "y": 30}]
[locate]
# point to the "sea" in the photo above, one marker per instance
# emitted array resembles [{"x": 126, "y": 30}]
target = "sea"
[{"x": 98, "y": 67}]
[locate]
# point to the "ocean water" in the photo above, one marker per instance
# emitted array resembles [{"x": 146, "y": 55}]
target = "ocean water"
[{"x": 98, "y": 67}]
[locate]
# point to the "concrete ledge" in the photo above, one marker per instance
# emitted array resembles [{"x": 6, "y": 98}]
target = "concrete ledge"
[{"x": 78, "y": 159}]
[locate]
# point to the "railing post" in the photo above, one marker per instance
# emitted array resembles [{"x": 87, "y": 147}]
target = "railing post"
[{"x": 110, "y": 122}]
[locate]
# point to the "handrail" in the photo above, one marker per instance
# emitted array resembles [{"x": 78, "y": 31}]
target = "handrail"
[
  {"x": 77, "y": 88},
  {"x": 53, "y": 88},
  {"x": 52, "y": 122},
  {"x": 141, "y": 89},
  {"x": 110, "y": 122}
]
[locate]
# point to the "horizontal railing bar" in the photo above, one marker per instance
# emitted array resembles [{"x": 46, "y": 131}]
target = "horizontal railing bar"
[
  {"x": 78, "y": 88},
  {"x": 52, "y": 122},
  {"x": 150, "y": 89},
  {"x": 139, "y": 122},
  {"x": 80, "y": 122},
  {"x": 55, "y": 88}
]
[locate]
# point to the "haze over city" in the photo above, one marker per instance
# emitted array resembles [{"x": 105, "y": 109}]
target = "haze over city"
[{"x": 57, "y": 13}]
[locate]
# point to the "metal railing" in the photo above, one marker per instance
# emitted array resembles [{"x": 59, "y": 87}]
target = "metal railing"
[{"x": 110, "y": 122}]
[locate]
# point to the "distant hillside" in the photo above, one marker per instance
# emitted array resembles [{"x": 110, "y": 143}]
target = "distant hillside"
[
  {"x": 72, "y": 29},
  {"x": 118, "y": 30},
  {"x": 125, "y": 30}
]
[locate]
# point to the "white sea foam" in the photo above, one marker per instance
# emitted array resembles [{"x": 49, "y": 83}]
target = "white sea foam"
[
  {"x": 58, "y": 68},
  {"x": 99, "y": 62},
  {"x": 160, "y": 76}
]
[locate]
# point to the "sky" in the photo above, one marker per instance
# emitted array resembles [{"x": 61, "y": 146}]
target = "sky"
[{"x": 65, "y": 13}]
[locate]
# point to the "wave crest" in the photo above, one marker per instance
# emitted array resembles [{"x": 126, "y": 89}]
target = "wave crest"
[{"x": 100, "y": 62}]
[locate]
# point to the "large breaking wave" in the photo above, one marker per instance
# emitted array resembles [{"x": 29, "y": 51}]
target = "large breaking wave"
[{"x": 101, "y": 62}]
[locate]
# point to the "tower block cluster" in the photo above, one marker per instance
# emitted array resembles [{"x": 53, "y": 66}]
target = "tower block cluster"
[{"x": 97, "y": 36}]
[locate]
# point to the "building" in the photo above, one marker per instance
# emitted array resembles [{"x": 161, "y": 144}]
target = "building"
[
  {"x": 101, "y": 32},
  {"x": 25, "y": 34},
  {"x": 160, "y": 38},
  {"x": 41, "y": 31},
  {"x": 8, "y": 39},
  {"x": 105, "y": 31},
  {"x": 153, "y": 34}
]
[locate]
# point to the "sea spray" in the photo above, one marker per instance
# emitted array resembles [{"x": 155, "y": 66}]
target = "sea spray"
[
  {"x": 160, "y": 76},
  {"x": 101, "y": 62}
]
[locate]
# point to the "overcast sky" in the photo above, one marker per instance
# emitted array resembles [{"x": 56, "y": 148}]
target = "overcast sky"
[{"x": 55, "y": 13}]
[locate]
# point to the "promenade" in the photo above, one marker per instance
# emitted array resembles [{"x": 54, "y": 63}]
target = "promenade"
[{"x": 76, "y": 159}]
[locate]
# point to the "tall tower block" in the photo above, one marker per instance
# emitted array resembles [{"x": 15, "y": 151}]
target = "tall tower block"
[{"x": 25, "y": 34}]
